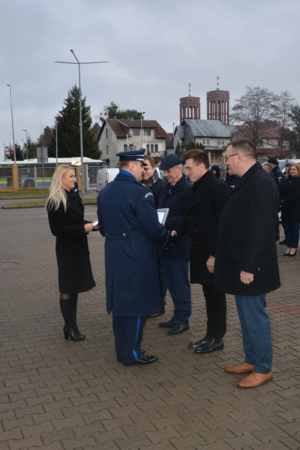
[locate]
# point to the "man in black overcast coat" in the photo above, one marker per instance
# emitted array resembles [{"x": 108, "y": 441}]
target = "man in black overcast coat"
[
  {"x": 205, "y": 204},
  {"x": 246, "y": 262}
]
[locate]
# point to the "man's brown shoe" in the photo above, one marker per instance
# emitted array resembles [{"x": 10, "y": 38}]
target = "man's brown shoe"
[
  {"x": 240, "y": 368},
  {"x": 255, "y": 379}
]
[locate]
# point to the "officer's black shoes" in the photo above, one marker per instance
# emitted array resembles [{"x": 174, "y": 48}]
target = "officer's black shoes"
[
  {"x": 157, "y": 314},
  {"x": 210, "y": 346},
  {"x": 283, "y": 242},
  {"x": 199, "y": 343},
  {"x": 179, "y": 328},
  {"x": 168, "y": 324},
  {"x": 144, "y": 359}
]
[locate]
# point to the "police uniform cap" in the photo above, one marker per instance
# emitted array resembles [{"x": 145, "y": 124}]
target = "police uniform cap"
[
  {"x": 288, "y": 162},
  {"x": 133, "y": 155},
  {"x": 273, "y": 161},
  {"x": 170, "y": 161},
  {"x": 215, "y": 167}
]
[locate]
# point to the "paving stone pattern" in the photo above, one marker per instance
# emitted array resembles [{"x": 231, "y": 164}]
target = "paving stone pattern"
[{"x": 63, "y": 395}]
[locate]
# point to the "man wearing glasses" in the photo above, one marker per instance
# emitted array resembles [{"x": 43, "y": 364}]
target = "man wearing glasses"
[{"x": 246, "y": 262}]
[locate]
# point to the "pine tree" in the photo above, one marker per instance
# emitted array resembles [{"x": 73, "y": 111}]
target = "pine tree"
[{"x": 68, "y": 129}]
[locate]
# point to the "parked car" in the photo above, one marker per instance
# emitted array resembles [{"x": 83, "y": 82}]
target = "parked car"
[{"x": 105, "y": 175}]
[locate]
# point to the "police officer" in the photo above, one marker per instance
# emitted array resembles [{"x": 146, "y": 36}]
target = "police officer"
[
  {"x": 276, "y": 171},
  {"x": 128, "y": 219}
]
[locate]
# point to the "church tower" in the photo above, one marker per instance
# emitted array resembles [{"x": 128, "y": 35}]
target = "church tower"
[
  {"x": 218, "y": 105},
  {"x": 189, "y": 107}
]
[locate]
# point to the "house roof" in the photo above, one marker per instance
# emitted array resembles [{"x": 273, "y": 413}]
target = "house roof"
[
  {"x": 270, "y": 130},
  {"x": 269, "y": 152},
  {"x": 208, "y": 128},
  {"x": 121, "y": 127},
  {"x": 180, "y": 130}
]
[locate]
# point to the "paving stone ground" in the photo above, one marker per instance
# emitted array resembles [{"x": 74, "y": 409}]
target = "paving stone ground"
[{"x": 62, "y": 395}]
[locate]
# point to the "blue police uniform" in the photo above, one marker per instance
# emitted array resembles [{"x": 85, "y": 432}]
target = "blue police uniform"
[{"x": 128, "y": 219}]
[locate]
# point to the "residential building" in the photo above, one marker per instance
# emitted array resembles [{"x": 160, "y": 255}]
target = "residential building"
[
  {"x": 118, "y": 135},
  {"x": 212, "y": 134}
]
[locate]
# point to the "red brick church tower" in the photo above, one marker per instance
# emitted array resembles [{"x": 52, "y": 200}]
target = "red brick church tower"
[
  {"x": 218, "y": 105},
  {"x": 190, "y": 107}
]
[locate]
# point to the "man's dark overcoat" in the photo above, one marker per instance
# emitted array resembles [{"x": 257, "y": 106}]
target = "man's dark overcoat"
[
  {"x": 128, "y": 219},
  {"x": 205, "y": 204},
  {"x": 246, "y": 236},
  {"x": 174, "y": 197},
  {"x": 290, "y": 194},
  {"x": 72, "y": 250}
]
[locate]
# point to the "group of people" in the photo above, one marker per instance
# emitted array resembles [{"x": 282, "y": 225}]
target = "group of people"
[{"x": 225, "y": 236}]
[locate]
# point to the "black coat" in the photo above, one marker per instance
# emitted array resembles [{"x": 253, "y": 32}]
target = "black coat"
[
  {"x": 156, "y": 189},
  {"x": 174, "y": 198},
  {"x": 72, "y": 251},
  {"x": 246, "y": 236},
  {"x": 290, "y": 194},
  {"x": 206, "y": 201}
]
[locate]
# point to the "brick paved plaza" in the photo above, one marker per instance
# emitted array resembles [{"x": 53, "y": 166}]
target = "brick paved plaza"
[{"x": 63, "y": 395}]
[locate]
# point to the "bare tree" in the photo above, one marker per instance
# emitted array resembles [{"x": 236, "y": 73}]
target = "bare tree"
[
  {"x": 257, "y": 111},
  {"x": 285, "y": 103}
]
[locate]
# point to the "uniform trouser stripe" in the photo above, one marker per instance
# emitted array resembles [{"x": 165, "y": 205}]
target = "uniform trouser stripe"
[{"x": 138, "y": 325}]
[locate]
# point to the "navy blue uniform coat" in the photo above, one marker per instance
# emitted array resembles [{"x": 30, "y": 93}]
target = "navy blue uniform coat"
[{"x": 128, "y": 219}]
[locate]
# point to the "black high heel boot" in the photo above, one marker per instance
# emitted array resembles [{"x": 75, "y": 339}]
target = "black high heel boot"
[
  {"x": 73, "y": 303},
  {"x": 69, "y": 329}
]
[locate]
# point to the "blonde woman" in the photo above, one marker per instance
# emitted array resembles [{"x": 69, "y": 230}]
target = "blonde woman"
[
  {"x": 290, "y": 208},
  {"x": 66, "y": 220}
]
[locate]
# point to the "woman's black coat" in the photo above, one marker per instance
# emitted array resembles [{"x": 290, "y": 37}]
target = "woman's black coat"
[
  {"x": 290, "y": 194},
  {"x": 205, "y": 204},
  {"x": 72, "y": 251},
  {"x": 246, "y": 236}
]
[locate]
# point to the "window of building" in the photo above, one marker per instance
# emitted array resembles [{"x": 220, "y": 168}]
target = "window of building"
[
  {"x": 147, "y": 132},
  {"x": 107, "y": 132},
  {"x": 211, "y": 156},
  {"x": 148, "y": 148},
  {"x": 152, "y": 148},
  {"x": 129, "y": 147},
  {"x": 156, "y": 148},
  {"x": 136, "y": 132},
  {"x": 223, "y": 142},
  {"x": 107, "y": 151},
  {"x": 205, "y": 141}
]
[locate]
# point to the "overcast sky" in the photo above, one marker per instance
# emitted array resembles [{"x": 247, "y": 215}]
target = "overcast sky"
[{"x": 155, "y": 49}]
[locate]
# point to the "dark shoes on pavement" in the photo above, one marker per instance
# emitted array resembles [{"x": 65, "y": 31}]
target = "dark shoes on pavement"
[
  {"x": 179, "y": 328},
  {"x": 168, "y": 324},
  {"x": 143, "y": 359},
  {"x": 211, "y": 345},
  {"x": 283, "y": 242},
  {"x": 157, "y": 314},
  {"x": 198, "y": 343}
]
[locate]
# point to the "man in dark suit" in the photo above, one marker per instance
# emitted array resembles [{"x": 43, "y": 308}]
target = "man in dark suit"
[
  {"x": 152, "y": 179},
  {"x": 205, "y": 204},
  {"x": 128, "y": 219},
  {"x": 175, "y": 262},
  {"x": 246, "y": 262}
]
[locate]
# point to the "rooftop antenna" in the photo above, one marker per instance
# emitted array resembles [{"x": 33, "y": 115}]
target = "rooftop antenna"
[
  {"x": 218, "y": 82},
  {"x": 190, "y": 89}
]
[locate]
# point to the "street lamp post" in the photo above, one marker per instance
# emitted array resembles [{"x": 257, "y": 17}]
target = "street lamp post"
[
  {"x": 26, "y": 142},
  {"x": 12, "y": 123},
  {"x": 142, "y": 128},
  {"x": 80, "y": 114}
]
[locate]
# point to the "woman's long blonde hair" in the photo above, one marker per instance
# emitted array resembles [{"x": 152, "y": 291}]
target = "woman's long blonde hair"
[{"x": 57, "y": 193}]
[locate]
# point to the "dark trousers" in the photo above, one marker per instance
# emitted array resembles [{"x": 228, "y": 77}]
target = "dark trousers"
[
  {"x": 216, "y": 311},
  {"x": 162, "y": 284},
  {"x": 128, "y": 333},
  {"x": 291, "y": 231},
  {"x": 176, "y": 275},
  {"x": 277, "y": 228},
  {"x": 256, "y": 331}
]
